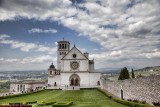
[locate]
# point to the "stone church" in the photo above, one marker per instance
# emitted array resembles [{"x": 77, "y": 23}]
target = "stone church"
[{"x": 74, "y": 69}]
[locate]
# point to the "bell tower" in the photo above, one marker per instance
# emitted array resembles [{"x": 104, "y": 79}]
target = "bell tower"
[{"x": 62, "y": 49}]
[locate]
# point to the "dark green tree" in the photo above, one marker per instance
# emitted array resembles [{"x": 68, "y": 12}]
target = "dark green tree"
[
  {"x": 133, "y": 76},
  {"x": 124, "y": 74}
]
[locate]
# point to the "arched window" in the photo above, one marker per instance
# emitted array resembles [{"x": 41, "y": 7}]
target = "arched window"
[
  {"x": 98, "y": 82},
  {"x": 55, "y": 84},
  {"x": 23, "y": 87},
  {"x": 76, "y": 81},
  {"x": 72, "y": 82},
  {"x": 60, "y": 46},
  {"x": 50, "y": 72},
  {"x": 18, "y": 88}
]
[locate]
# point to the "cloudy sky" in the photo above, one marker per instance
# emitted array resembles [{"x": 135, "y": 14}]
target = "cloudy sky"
[{"x": 116, "y": 33}]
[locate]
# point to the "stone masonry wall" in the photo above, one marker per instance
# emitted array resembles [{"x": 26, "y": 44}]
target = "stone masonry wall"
[{"x": 142, "y": 89}]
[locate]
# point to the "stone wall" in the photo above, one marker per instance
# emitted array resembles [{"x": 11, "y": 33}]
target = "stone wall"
[{"x": 142, "y": 89}]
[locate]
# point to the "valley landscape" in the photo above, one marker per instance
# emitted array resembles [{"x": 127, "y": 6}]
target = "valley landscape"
[{"x": 79, "y": 53}]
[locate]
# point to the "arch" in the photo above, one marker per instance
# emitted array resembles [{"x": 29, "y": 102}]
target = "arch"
[
  {"x": 55, "y": 84},
  {"x": 74, "y": 80},
  {"x": 18, "y": 88},
  {"x": 21, "y": 87},
  {"x": 98, "y": 82},
  {"x": 50, "y": 72}
]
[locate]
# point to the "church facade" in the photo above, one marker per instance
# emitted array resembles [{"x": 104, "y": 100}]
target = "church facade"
[{"x": 74, "y": 69}]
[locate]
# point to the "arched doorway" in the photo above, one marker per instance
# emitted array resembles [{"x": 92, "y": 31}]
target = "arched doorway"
[{"x": 74, "y": 80}]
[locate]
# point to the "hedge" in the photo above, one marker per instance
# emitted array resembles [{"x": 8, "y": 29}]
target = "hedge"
[
  {"x": 131, "y": 104},
  {"x": 46, "y": 103},
  {"x": 107, "y": 95},
  {"x": 62, "y": 104},
  {"x": 18, "y": 95},
  {"x": 30, "y": 102},
  {"x": 15, "y": 105},
  {"x": 124, "y": 102},
  {"x": 87, "y": 88}
]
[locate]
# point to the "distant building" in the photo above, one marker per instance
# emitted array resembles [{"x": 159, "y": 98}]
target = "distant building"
[
  {"x": 27, "y": 86},
  {"x": 73, "y": 69}
]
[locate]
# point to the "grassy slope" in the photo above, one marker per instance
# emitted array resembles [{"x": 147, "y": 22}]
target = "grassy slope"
[{"x": 80, "y": 98}]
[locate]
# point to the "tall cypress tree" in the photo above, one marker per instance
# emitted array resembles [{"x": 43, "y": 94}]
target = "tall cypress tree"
[
  {"x": 133, "y": 76},
  {"x": 124, "y": 74}
]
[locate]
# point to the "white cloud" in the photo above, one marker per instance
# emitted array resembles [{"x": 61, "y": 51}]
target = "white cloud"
[
  {"x": 40, "y": 62},
  {"x": 39, "y": 59},
  {"x": 11, "y": 60},
  {"x": 38, "y": 30},
  {"x": 4, "y": 36},
  {"x": 1, "y": 59},
  {"x": 26, "y": 47},
  {"x": 33, "y": 60}
]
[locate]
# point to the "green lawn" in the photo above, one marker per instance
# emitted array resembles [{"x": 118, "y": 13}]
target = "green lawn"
[{"x": 80, "y": 98}]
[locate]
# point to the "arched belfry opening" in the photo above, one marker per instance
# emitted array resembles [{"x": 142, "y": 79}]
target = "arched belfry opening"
[{"x": 74, "y": 80}]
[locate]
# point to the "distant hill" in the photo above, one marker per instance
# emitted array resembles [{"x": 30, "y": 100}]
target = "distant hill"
[
  {"x": 113, "y": 74},
  {"x": 113, "y": 70},
  {"x": 108, "y": 70},
  {"x": 147, "y": 71}
]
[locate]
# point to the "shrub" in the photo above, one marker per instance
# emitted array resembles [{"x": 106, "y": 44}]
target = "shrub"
[
  {"x": 30, "y": 102},
  {"x": 143, "y": 102},
  {"x": 49, "y": 103},
  {"x": 128, "y": 103},
  {"x": 17, "y": 103},
  {"x": 131, "y": 104},
  {"x": 87, "y": 88},
  {"x": 62, "y": 104},
  {"x": 46, "y": 103},
  {"x": 136, "y": 101},
  {"x": 109, "y": 96},
  {"x": 129, "y": 99},
  {"x": 156, "y": 103}
]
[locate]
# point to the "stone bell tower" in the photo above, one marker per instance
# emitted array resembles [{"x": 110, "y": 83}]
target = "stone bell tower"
[{"x": 62, "y": 49}]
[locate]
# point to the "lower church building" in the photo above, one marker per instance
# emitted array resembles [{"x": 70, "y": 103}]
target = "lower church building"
[{"x": 74, "y": 69}]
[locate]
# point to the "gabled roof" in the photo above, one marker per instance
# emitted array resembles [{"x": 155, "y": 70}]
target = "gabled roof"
[{"x": 74, "y": 47}]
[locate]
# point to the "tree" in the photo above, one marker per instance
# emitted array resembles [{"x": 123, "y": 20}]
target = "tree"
[
  {"x": 124, "y": 74},
  {"x": 133, "y": 76}
]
